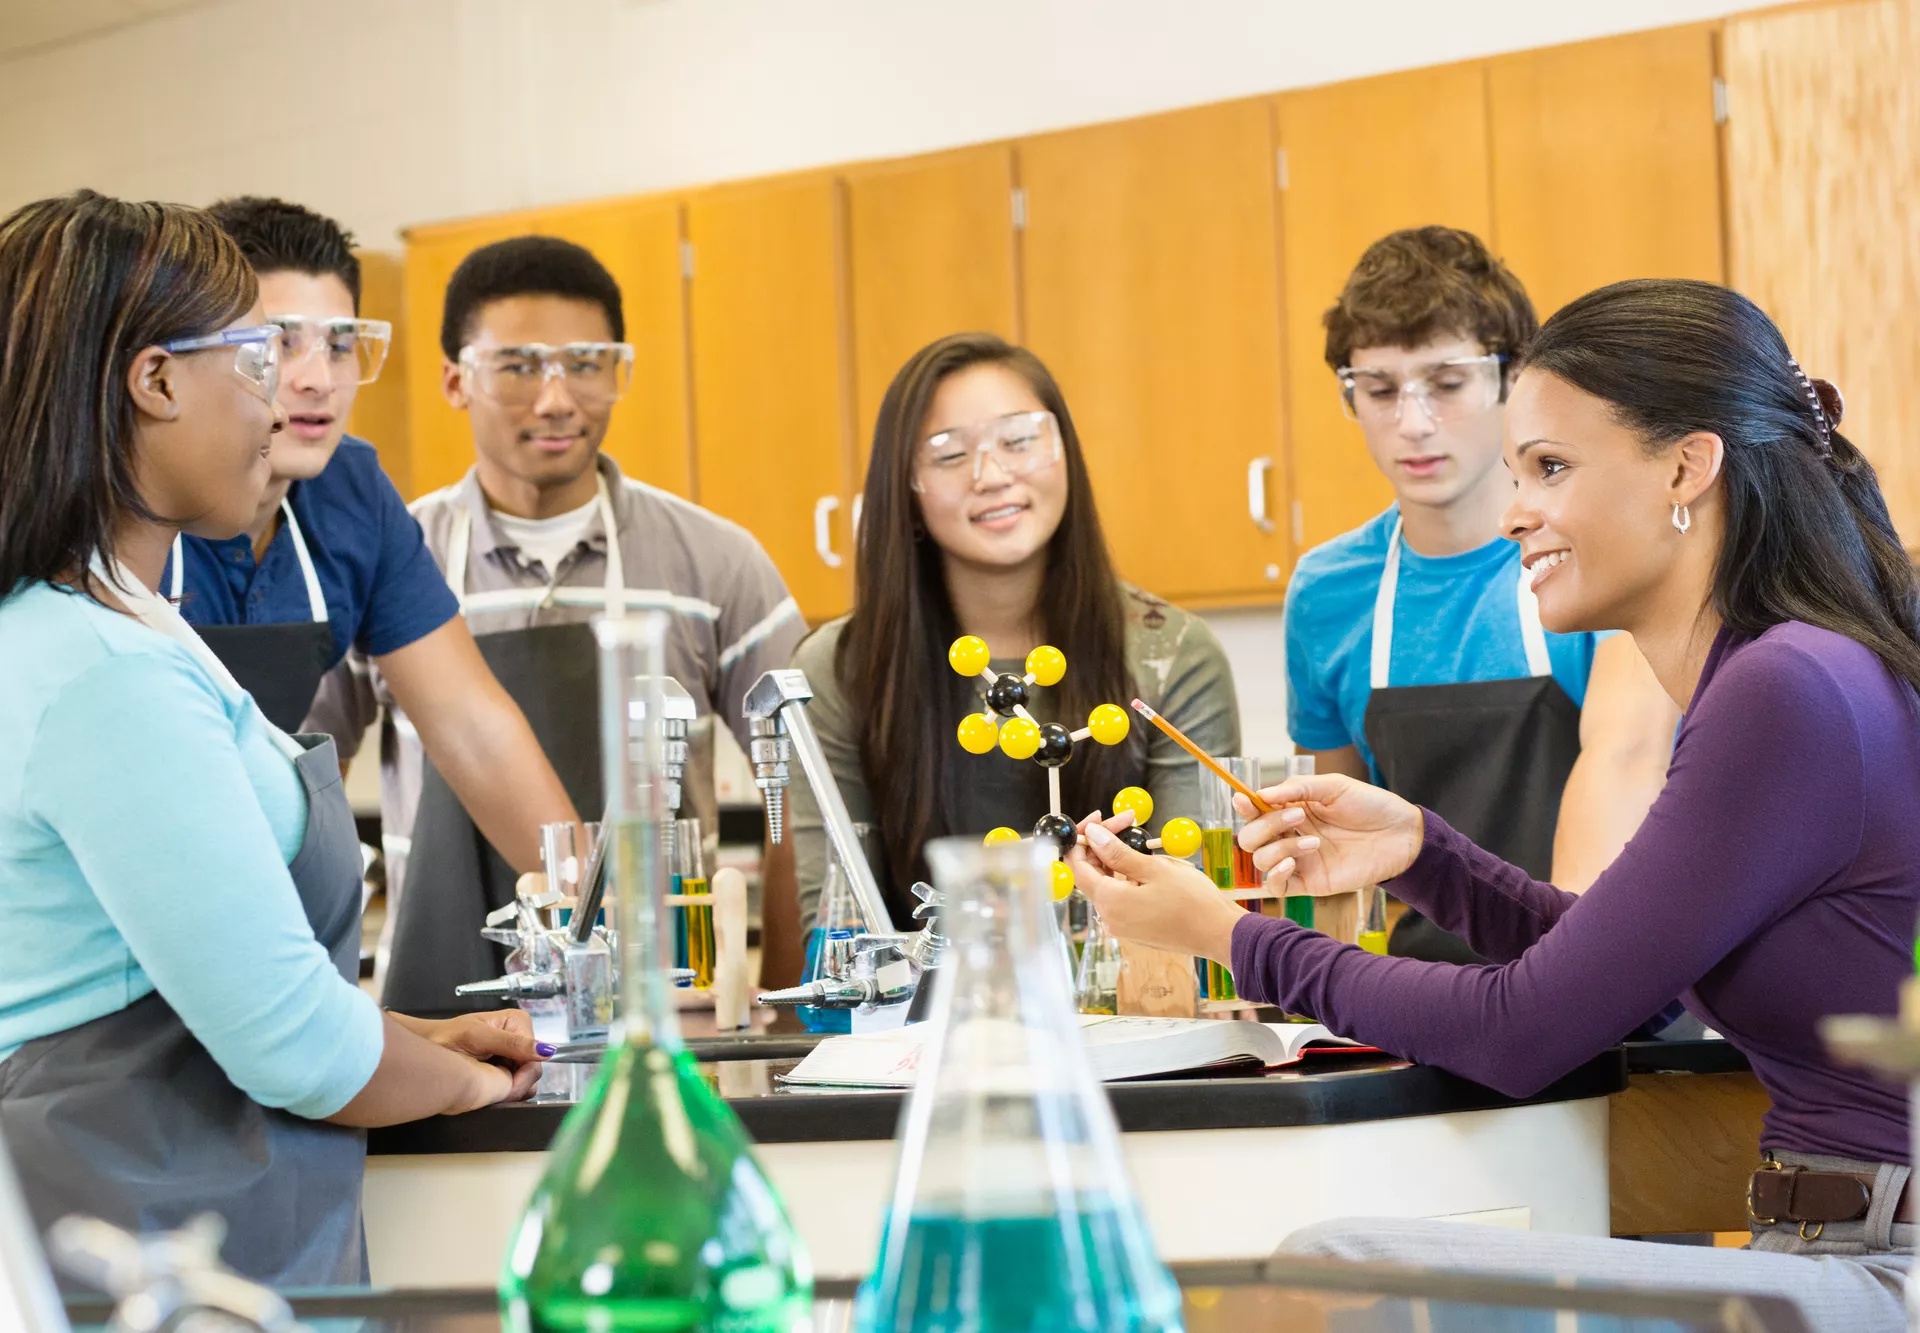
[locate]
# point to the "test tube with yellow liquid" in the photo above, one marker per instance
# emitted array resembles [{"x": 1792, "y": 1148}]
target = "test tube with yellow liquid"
[{"x": 692, "y": 904}]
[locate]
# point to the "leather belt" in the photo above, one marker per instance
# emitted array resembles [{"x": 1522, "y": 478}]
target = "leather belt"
[{"x": 1781, "y": 1194}]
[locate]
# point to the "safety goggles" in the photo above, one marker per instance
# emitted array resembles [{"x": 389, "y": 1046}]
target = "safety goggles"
[
  {"x": 353, "y": 350},
  {"x": 1020, "y": 444},
  {"x": 1448, "y": 391},
  {"x": 594, "y": 373},
  {"x": 256, "y": 357}
]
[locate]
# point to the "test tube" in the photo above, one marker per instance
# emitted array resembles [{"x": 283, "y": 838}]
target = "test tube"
[
  {"x": 693, "y": 945},
  {"x": 1299, "y": 907}
]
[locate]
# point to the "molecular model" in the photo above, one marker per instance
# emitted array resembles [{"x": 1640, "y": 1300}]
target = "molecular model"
[{"x": 1020, "y": 736}]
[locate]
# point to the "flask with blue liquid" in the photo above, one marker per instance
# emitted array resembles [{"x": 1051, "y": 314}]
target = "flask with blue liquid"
[
  {"x": 1011, "y": 1210},
  {"x": 836, "y": 921}
]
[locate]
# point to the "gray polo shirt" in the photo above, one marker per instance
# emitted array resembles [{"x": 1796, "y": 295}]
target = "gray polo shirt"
[
  {"x": 1178, "y": 667},
  {"x": 730, "y": 620}
]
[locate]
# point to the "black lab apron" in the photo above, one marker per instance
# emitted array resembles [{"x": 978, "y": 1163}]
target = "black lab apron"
[
  {"x": 454, "y": 877},
  {"x": 1490, "y": 757},
  {"x": 129, "y": 1118},
  {"x": 279, "y": 665}
]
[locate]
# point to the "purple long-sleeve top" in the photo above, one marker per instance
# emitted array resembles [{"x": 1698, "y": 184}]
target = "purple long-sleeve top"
[{"x": 1776, "y": 880}]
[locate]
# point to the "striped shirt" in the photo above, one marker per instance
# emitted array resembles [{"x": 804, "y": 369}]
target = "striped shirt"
[{"x": 730, "y": 620}]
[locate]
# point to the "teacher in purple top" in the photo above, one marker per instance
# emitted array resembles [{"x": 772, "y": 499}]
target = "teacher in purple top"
[{"x": 1678, "y": 477}]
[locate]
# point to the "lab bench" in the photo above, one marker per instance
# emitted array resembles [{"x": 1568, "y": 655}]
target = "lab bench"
[{"x": 1224, "y": 1167}]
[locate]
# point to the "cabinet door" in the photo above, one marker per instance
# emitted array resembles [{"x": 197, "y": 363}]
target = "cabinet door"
[
  {"x": 380, "y": 409},
  {"x": 930, "y": 252},
  {"x": 1606, "y": 163},
  {"x": 1363, "y": 159},
  {"x": 1152, "y": 292},
  {"x": 440, "y": 445},
  {"x": 639, "y": 242},
  {"x": 772, "y": 409},
  {"x": 1823, "y": 163}
]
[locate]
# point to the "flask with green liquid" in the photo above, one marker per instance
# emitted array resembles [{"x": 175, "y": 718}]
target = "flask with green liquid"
[{"x": 653, "y": 1214}]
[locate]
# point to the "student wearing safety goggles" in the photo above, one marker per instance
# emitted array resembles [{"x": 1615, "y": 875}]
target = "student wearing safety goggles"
[
  {"x": 333, "y": 562},
  {"x": 542, "y": 535},
  {"x": 1415, "y": 655},
  {"x": 978, "y": 518}
]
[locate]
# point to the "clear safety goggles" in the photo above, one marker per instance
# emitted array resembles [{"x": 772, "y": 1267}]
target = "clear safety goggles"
[
  {"x": 256, "y": 357},
  {"x": 353, "y": 350},
  {"x": 1449, "y": 391},
  {"x": 594, "y": 373},
  {"x": 1020, "y": 444}
]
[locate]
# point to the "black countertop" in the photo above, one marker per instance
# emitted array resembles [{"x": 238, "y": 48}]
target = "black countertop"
[
  {"x": 1332, "y": 1090},
  {"x": 1709, "y": 1056}
]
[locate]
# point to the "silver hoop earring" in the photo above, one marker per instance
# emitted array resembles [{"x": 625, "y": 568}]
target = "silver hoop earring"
[{"x": 1682, "y": 519}]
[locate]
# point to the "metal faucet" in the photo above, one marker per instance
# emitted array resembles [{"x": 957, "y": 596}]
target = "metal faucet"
[
  {"x": 876, "y": 970},
  {"x": 777, "y": 714},
  {"x": 575, "y": 965}
]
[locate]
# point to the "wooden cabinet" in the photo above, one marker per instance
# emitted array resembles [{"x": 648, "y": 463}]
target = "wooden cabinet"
[
  {"x": 1363, "y": 159},
  {"x": 1823, "y": 163},
  {"x": 771, "y": 376},
  {"x": 379, "y": 413},
  {"x": 639, "y": 242},
  {"x": 1152, "y": 291},
  {"x": 1606, "y": 162},
  {"x": 930, "y": 252}
]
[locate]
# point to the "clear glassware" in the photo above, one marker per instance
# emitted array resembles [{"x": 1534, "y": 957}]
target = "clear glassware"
[
  {"x": 1096, "y": 983},
  {"x": 836, "y": 918},
  {"x": 653, "y": 1213},
  {"x": 691, "y": 906},
  {"x": 1011, "y": 1211}
]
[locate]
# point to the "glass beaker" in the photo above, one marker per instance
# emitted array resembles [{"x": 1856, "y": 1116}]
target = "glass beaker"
[
  {"x": 836, "y": 918},
  {"x": 1096, "y": 983},
  {"x": 652, "y": 1213},
  {"x": 1011, "y": 1208}
]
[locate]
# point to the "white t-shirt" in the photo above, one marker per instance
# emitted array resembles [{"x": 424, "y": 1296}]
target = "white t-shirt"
[{"x": 547, "y": 540}]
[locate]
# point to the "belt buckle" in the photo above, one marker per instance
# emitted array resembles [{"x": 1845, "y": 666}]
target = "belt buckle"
[{"x": 1768, "y": 1165}]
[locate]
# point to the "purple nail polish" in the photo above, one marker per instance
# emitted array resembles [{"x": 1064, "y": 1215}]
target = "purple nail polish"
[{"x": 544, "y": 1050}]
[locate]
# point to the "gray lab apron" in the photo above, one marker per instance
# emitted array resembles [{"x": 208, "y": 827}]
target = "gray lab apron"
[
  {"x": 281, "y": 666},
  {"x": 1490, "y": 757},
  {"x": 454, "y": 876},
  {"x": 130, "y": 1119}
]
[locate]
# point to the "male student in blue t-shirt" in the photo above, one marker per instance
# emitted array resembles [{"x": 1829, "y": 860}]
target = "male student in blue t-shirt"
[
  {"x": 1415, "y": 656},
  {"x": 334, "y": 561}
]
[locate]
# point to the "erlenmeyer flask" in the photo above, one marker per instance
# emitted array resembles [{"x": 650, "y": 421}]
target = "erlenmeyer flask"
[
  {"x": 836, "y": 917},
  {"x": 653, "y": 1213},
  {"x": 1011, "y": 1210}
]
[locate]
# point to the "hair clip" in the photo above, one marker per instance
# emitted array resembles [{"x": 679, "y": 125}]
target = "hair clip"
[{"x": 1816, "y": 400}]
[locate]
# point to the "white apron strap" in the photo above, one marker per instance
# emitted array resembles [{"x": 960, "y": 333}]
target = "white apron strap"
[
  {"x": 1532, "y": 635},
  {"x": 616, "y": 585},
  {"x": 1383, "y": 612},
  {"x": 316, "y": 603}
]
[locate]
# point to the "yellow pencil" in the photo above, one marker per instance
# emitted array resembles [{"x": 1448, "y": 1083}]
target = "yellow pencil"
[{"x": 1218, "y": 769}]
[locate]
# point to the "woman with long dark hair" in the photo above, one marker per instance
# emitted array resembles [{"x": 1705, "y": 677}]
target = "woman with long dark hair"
[
  {"x": 181, "y": 1028},
  {"x": 1678, "y": 477},
  {"x": 978, "y": 518}
]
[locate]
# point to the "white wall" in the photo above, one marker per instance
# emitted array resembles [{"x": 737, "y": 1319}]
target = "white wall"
[{"x": 385, "y": 113}]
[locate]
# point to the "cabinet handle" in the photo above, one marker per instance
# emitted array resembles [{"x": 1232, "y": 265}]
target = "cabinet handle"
[
  {"x": 822, "y": 535},
  {"x": 1257, "y": 472}
]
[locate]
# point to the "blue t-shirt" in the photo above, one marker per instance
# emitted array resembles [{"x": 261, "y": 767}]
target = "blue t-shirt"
[
  {"x": 382, "y": 588},
  {"x": 1455, "y": 620}
]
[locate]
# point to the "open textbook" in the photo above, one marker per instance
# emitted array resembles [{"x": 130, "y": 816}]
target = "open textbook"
[{"x": 1119, "y": 1048}]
